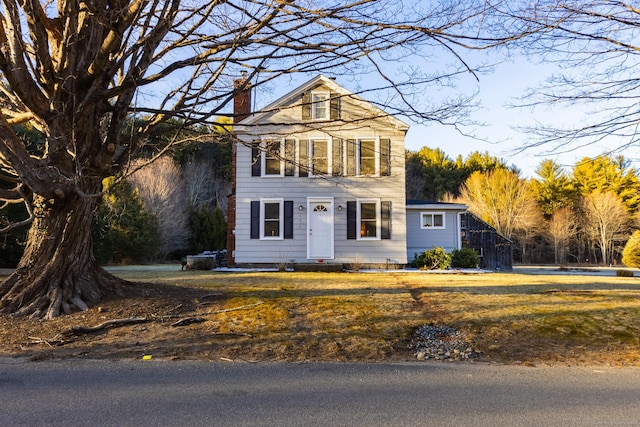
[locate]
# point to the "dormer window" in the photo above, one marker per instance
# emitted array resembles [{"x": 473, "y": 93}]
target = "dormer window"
[{"x": 320, "y": 105}]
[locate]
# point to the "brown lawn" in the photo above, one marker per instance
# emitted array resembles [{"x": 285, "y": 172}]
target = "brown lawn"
[{"x": 581, "y": 319}]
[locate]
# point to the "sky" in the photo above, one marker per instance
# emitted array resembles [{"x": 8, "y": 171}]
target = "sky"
[{"x": 498, "y": 135}]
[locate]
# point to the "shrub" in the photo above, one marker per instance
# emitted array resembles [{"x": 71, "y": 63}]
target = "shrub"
[
  {"x": 123, "y": 231},
  {"x": 464, "y": 258},
  {"x": 208, "y": 229},
  {"x": 434, "y": 259},
  {"x": 631, "y": 251}
]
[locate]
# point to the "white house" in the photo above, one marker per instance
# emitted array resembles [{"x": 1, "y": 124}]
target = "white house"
[{"x": 319, "y": 178}]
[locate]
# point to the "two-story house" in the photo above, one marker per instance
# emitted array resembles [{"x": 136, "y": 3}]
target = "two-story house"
[{"x": 319, "y": 178}]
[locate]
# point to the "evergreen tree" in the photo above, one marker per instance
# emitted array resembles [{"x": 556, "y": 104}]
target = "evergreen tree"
[
  {"x": 123, "y": 230},
  {"x": 553, "y": 189},
  {"x": 208, "y": 229},
  {"x": 606, "y": 173}
]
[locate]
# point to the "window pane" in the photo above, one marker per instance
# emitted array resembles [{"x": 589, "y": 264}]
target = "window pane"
[
  {"x": 438, "y": 220},
  {"x": 272, "y": 211},
  {"x": 272, "y": 228},
  {"x": 368, "y": 211},
  {"x": 320, "y": 157},
  {"x": 367, "y": 157},
  {"x": 427, "y": 220},
  {"x": 319, "y": 105},
  {"x": 368, "y": 229}
]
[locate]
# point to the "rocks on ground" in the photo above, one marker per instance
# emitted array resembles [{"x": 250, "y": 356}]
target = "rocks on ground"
[{"x": 441, "y": 342}]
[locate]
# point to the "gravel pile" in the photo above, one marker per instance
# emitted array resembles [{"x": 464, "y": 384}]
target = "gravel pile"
[{"x": 442, "y": 343}]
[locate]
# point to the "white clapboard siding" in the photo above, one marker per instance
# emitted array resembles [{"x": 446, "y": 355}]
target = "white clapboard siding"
[{"x": 283, "y": 122}]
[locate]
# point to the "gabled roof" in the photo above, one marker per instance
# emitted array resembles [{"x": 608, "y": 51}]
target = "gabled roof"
[{"x": 320, "y": 79}]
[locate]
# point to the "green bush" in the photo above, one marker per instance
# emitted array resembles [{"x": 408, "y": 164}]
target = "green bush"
[
  {"x": 208, "y": 229},
  {"x": 434, "y": 259},
  {"x": 631, "y": 251},
  {"x": 123, "y": 231},
  {"x": 464, "y": 258}
]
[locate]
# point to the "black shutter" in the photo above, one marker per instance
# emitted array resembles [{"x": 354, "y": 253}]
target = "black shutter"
[
  {"x": 385, "y": 220},
  {"x": 306, "y": 106},
  {"x": 256, "y": 164},
  {"x": 351, "y": 157},
  {"x": 303, "y": 167},
  {"x": 255, "y": 220},
  {"x": 352, "y": 220},
  {"x": 334, "y": 106},
  {"x": 337, "y": 156},
  {"x": 289, "y": 157},
  {"x": 288, "y": 219},
  {"x": 385, "y": 157}
]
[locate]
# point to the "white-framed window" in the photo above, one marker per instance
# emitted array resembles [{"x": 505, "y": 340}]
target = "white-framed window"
[
  {"x": 367, "y": 156},
  {"x": 368, "y": 219},
  {"x": 272, "y": 219},
  {"x": 432, "y": 220},
  {"x": 319, "y": 156},
  {"x": 320, "y": 105},
  {"x": 272, "y": 157}
]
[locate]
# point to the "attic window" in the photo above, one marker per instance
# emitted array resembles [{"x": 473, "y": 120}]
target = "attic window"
[{"x": 320, "y": 105}]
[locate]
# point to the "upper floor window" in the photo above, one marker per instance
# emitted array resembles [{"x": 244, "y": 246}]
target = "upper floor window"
[
  {"x": 432, "y": 220},
  {"x": 367, "y": 156},
  {"x": 319, "y": 157},
  {"x": 272, "y": 157},
  {"x": 320, "y": 105}
]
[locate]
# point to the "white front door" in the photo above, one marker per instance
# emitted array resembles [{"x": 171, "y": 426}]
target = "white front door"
[{"x": 320, "y": 228}]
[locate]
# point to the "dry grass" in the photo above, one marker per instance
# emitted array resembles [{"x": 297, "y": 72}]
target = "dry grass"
[{"x": 512, "y": 318}]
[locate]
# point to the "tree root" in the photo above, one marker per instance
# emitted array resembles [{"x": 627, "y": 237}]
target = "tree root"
[{"x": 48, "y": 293}]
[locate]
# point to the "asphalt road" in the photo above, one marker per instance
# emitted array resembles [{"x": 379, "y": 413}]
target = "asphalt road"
[{"x": 164, "y": 393}]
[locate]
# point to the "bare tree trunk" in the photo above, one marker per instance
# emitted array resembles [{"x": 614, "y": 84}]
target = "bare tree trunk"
[{"x": 57, "y": 272}]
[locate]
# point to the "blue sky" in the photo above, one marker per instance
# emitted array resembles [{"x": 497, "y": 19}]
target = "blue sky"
[{"x": 498, "y": 136}]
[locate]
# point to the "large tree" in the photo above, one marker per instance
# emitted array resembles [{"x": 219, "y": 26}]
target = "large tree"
[
  {"x": 606, "y": 173},
  {"x": 552, "y": 188},
  {"x": 606, "y": 222},
  {"x": 504, "y": 200},
  {"x": 78, "y": 71}
]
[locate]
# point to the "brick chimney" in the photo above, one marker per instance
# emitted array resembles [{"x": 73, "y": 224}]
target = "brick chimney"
[
  {"x": 242, "y": 99},
  {"x": 241, "y": 110}
]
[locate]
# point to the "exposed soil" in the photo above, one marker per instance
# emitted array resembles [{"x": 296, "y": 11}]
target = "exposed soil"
[
  {"x": 146, "y": 313},
  {"x": 162, "y": 322},
  {"x": 170, "y": 322}
]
